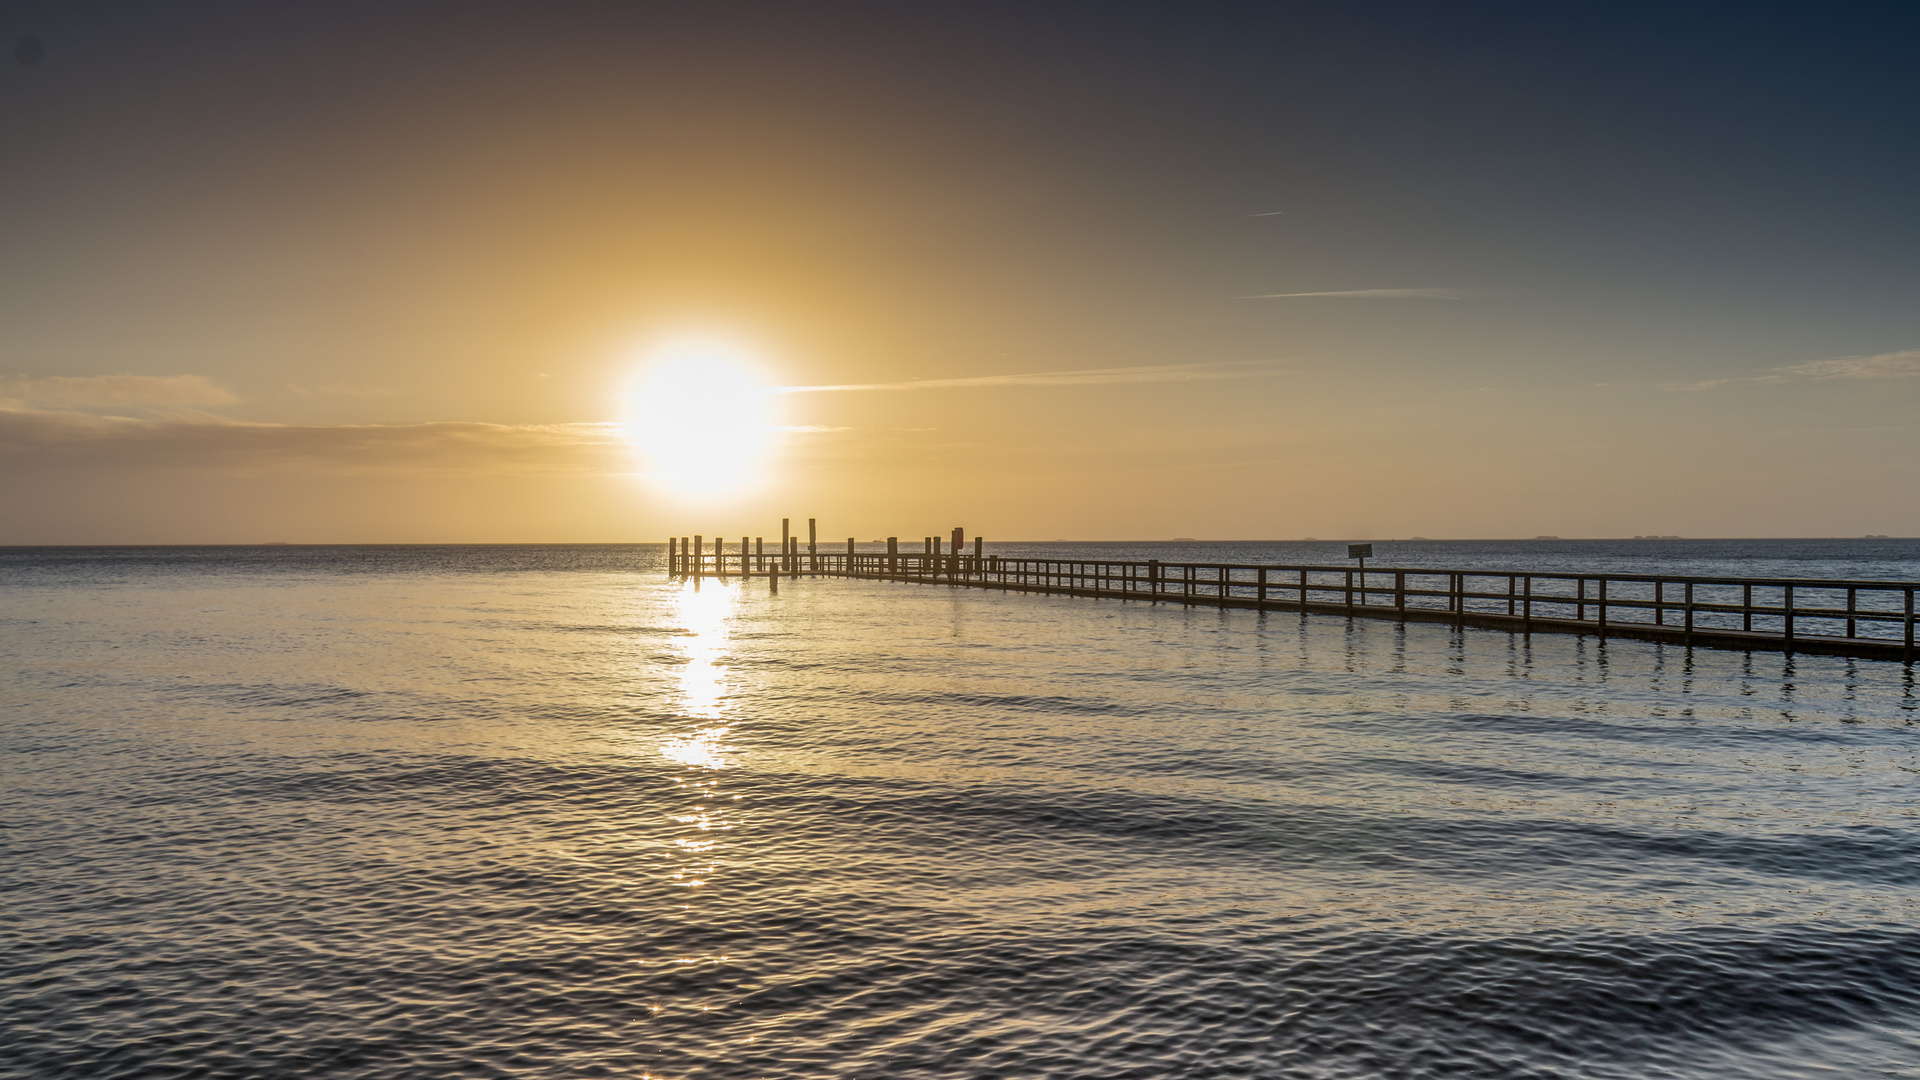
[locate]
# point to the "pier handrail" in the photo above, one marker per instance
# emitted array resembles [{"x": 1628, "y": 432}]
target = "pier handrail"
[{"x": 1826, "y": 615}]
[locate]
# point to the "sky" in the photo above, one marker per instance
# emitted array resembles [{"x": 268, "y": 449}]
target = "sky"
[{"x": 557, "y": 272}]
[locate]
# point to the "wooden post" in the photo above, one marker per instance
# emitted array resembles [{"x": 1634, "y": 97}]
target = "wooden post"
[
  {"x": 699, "y": 556},
  {"x": 1400, "y": 593},
  {"x": 720, "y": 557},
  {"x": 1349, "y": 591},
  {"x": 1262, "y": 586},
  {"x": 978, "y": 569},
  {"x": 673, "y": 556},
  {"x": 1580, "y": 609},
  {"x": 1850, "y": 610},
  {"x": 1153, "y": 578},
  {"x": 813, "y": 550},
  {"x": 1603, "y": 608},
  {"x": 794, "y": 559},
  {"x": 1659, "y": 603},
  {"x": 760, "y": 553},
  {"x": 1788, "y": 617},
  {"x": 1746, "y": 605},
  {"x": 1526, "y": 606},
  {"x": 1909, "y": 626},
  {"x": 786, "y": 545},
  {"x": 1689, "y": 603},
  {"x": 1303, "y": 590},
  {"x": 893, "y": 557}
]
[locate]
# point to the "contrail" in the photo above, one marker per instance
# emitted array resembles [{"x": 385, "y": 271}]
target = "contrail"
[{"x": 1371, "y": 294}]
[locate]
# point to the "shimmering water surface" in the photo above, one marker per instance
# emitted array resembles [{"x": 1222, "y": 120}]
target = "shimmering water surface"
[{"x": 537, "y": 812}]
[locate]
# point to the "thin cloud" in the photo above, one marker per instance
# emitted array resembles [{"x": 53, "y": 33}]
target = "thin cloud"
[
  {"x": 1159, "y": 373},
  {"x": 49, "y": 437},
  {"x": 1270, "y": 213},
  {"x": 114, "y": 391},
  {"x": 1894, "y": 365},
  {"x": 1371, "y": 294}
]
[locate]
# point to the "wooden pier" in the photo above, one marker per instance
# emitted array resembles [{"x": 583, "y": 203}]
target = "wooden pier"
[{"x": 1868, "y": 619}]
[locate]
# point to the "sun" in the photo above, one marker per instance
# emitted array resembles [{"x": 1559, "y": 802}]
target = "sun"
[{"x": 702, "y": 416}]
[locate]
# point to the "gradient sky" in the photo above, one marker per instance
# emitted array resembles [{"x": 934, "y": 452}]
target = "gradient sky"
[{"x": 394, "y": 271}]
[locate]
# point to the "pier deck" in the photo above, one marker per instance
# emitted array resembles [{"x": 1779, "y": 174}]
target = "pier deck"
[{"x": 1867, "y": 619}]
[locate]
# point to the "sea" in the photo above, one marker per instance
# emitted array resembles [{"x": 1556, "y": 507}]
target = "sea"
[{"x": 541, "y": 812}]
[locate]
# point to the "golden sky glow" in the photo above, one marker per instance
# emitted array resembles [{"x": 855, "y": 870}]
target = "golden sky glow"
[{"x": 419, "y": 274}]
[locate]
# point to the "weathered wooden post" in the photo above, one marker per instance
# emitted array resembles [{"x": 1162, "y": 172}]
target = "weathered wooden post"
[
  {"x": 1688, "y": 600},
  {"x": 699, "y": 557},
  {"x": 1909, "y": 649},
  {"x": 1261, "y": 594},
  {"x": 746, "y": 561},
  {"x": 1603, "y": 609},
  {"x": 1526, "y": 618},
  {"x": 1363, "y": 552},
  {"x": 673, "y": 556},
  {"x": 1153, "y": 578},
  {"x": 1787, "y": 605},
  {"x": 813, "y": 549},
  {"x": 760, "y": 553},
  {"x": 979, "y": 569},
  {"x": 893, "y": 557},
  {"x": 793, "y": 558}
]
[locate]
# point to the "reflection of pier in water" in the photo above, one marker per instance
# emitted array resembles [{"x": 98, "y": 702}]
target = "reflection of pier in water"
[{"x": 1869, "y": 619}]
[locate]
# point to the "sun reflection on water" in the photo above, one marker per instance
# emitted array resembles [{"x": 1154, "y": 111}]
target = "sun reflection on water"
[{"x": 704, "y": 613}]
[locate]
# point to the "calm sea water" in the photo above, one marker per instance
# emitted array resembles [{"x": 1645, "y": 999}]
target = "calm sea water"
[{"x": 537, "y": 812}]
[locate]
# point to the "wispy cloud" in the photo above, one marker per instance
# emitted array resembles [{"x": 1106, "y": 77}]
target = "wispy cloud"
[
  {"x": 114, "y": 391},
  {"x": 1159, "y": 373},
  {"x": 51, "y": 437},
  {"x": 1893, "y": 365},
  {"x": 1372, "y": 294}
]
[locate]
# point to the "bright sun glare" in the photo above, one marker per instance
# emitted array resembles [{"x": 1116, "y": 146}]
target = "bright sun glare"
[{"x": 703, "y": 417}]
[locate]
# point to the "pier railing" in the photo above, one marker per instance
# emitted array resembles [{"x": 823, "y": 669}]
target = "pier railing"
[{"x": 1873, "y": 619}]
